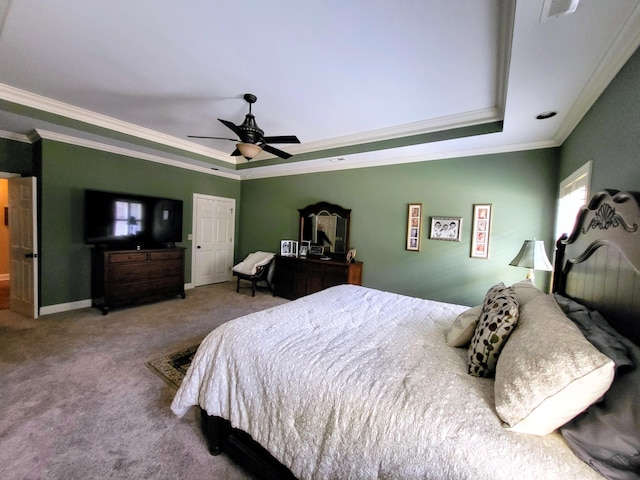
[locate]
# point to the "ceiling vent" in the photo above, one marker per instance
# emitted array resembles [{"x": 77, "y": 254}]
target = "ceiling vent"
[{"x": 555, "y": 8}]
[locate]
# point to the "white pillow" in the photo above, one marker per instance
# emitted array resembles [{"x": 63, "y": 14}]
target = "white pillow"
[
  {"x": 547, "y": 372},
  {"x": 461, "y": 331}
]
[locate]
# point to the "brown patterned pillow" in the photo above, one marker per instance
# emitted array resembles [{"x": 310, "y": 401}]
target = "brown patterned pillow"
[{"x": 497, "y": 321}]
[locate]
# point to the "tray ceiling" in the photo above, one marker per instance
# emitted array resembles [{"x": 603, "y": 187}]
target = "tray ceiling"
[{"x": 359, "y": 83}]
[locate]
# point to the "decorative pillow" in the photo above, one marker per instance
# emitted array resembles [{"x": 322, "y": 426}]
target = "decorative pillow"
[
  {"x": 498, "y": 319},
  {"x": 548, "y": 372},
  {"x": 463, "y": 327}
]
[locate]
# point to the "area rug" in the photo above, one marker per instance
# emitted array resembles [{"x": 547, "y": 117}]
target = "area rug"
[{"x": 172, "y": 368}]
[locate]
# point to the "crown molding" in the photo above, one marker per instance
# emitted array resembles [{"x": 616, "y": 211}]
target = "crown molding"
[
  {"x": 621, "y": 49},
  {"x": 384, "y": 158},
  {"x": 449, "y": 122},
  {"x": 80, "y": 142},
  {"x": 39, "y": 102},
  {"x": 18, "y": 137}
]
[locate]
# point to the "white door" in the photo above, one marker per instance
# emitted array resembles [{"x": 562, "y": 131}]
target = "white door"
[
  {"x": 213, "y": 231},
  {"x": 23, "y": 246}
]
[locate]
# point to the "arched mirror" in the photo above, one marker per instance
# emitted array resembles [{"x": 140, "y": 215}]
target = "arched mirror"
[{"x": 327, "y": 225}]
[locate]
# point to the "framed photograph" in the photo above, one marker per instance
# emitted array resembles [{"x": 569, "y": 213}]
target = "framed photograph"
[
  {"x": 414, "y": 226},
  {"x": 446, "y": 228},
  {"x": 481, "y": 230},
  {"x": 316, "y": 250},
  {"x": 304, "y": 248},
  {"x": 288, "y": 248}
]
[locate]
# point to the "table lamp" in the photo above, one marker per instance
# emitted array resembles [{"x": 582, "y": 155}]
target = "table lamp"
[{"x": 533, "y": 256}]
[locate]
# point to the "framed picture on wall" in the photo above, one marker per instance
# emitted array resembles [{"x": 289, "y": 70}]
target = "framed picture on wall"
[
  {"x": 446, "y": 228},
  {"x": 481, "y": 230},
  {"x": 414, "y": 226}
]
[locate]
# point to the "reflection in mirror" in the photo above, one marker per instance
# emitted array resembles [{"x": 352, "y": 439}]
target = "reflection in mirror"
[{"x": 326, "y": 225}]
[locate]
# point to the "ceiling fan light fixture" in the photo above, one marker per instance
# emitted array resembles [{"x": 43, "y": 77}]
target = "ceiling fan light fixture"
[{"x": 248, "y": 150}]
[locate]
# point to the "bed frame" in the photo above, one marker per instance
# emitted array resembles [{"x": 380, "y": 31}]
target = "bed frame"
[{"x": 597, "y": 265}]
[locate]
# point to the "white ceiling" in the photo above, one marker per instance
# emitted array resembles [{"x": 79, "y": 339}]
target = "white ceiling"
[{"x": 139, "y": 76}]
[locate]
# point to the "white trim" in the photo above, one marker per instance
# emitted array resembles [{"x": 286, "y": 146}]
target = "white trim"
[
  {"x": 449, "y": 122},
  {"x": 64, "y": 307},
  {"x": 32, "y": 100},
  {"x": 583, "y": 171},
  {"x": 18, "y": 137},
  {"x": 619, "y": 52},
  {"x": 67, "y": 307},
  {"x": 59, "y": 137},
  {"x": 380, "y": 158}
]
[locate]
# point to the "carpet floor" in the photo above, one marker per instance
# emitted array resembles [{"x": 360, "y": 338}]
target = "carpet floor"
[{"x": 79, "y": 402}]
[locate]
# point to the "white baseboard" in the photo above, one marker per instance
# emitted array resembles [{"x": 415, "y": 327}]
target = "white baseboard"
[
  {"x": 67, "y": 307},
  {"x": 64, "y": 307}
]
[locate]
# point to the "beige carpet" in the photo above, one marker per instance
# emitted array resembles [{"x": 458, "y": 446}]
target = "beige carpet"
[{"x": 78, "y": 401}]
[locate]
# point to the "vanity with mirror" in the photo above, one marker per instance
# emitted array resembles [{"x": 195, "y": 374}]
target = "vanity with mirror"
[{"x": 324, "y": 237}]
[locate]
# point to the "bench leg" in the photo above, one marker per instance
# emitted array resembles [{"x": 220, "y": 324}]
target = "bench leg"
[{"x": 238, "y": 286}]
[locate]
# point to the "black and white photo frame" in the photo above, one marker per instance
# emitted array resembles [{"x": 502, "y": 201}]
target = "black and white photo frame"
[{"x": 446, "y": 228}]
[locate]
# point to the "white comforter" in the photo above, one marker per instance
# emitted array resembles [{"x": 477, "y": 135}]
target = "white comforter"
[{"x": 355, "y": 383}]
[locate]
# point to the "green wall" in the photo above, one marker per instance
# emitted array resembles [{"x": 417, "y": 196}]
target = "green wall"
[
  {"x": 66, "y": 171},
  {"x": 609, "y": 135},
  {"x": 15, "y": 157},
  {"x": 522, "y": 186}
]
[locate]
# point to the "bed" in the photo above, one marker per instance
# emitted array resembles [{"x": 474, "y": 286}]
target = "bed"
[{"x": 352, "y": 382}]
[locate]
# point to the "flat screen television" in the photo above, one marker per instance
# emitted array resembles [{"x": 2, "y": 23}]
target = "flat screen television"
[{"x": 122, "y": 220}]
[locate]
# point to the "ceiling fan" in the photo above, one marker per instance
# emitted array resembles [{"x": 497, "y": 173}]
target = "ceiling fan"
[{"x": 251, "y": 139}]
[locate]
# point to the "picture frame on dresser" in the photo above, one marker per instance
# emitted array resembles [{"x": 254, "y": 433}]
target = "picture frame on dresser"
[{"x": 288, "y": 248}]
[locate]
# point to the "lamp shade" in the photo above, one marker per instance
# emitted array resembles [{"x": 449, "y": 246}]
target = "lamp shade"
[
  {"x": 248, "y": 150},
  {"x": 532, "y": 255}
]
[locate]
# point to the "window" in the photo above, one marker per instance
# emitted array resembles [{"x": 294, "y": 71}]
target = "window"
[
  {"x": 128, "y": 218},
  {"x": 574, "y": 193}
]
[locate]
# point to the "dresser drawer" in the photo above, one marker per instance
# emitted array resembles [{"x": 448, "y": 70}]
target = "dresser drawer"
[
  {"x": 128, "y": 257},
  {"x": 166, "y": 255},
  {"x": 130, "y": 273}
]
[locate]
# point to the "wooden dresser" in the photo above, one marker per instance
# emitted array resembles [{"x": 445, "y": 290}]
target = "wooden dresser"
[
  {"x": 297, "y": 277},
  {"x": 126, "y": 277}
]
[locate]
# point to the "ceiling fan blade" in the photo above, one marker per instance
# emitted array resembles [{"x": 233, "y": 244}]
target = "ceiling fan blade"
[
  {"x": 232, "y": 126},
  {"x": 214, "y": 138},
  {"x": 282, "y": 139},
  {"x": 275, "y": 151}
]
